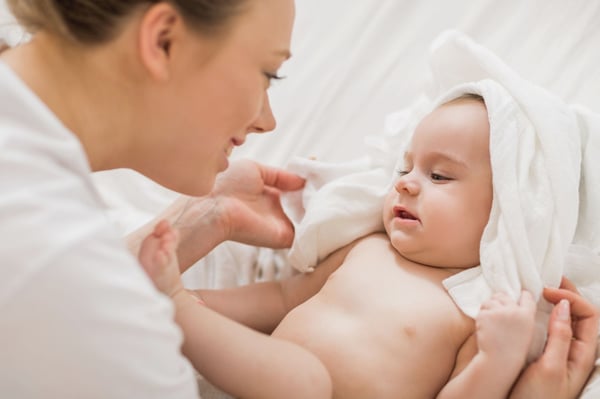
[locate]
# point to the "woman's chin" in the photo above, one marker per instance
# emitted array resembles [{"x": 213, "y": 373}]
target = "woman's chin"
[{"x": 223, "y": 162}]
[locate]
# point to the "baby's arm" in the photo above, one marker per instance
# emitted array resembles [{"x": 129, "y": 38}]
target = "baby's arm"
[
  {"x": 245, "y": 363},
  {"x": 504, "y": 330},
  {"x": 261, "y": 306},
  {"x": 240, "y": 361}
]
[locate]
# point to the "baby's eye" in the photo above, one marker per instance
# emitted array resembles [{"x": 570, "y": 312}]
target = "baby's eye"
[
  {"x": 438, "y": 177},
  {"x": 402, "y": 172}
]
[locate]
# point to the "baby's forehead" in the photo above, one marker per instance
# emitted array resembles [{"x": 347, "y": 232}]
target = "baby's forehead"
[
  {"x": 456, "y": 128},
  {"x": 462, "y": 115},
  {"x": 446, "y": 156}
]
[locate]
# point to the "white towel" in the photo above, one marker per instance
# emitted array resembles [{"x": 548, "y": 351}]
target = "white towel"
[
  {"x": 331, "y": 214},
  {"x": 546, "y": 191},
  {"x": 535, "y": 158},
  {"x": 343, "y": 201}
]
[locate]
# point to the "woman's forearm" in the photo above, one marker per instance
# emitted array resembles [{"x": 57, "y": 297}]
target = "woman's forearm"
[{"x": 199, "y": 224}]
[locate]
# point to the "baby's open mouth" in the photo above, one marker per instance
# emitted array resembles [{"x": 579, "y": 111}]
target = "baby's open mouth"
[
  {"x": 402, "y": 213},
  {"x": 406, "y": 215}
]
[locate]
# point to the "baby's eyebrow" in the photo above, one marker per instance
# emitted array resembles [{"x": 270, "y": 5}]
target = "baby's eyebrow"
[
  {"x": 446, "y": 156},
  {"x": 435, "y": 156}
]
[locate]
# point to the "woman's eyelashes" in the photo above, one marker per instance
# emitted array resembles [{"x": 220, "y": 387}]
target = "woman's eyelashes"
[{"x": 271, "y": 77}]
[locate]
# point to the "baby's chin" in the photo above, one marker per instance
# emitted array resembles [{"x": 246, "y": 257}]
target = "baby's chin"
[{"x": 432, "y": 259}]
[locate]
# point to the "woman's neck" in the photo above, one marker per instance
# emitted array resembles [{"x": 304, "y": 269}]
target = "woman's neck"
[{"x": 85, "y": 88}]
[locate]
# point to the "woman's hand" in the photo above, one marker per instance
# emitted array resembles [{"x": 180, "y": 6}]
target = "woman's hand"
[
  {"x": 247, "y": 195},
  {"x": 244, "y": 206},
  {"x": 568, "y": 359}
]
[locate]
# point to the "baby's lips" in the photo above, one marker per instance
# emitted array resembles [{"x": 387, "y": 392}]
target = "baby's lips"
[{"x": 403, "y": 213}]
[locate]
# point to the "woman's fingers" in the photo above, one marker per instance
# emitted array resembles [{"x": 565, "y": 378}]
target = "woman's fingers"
[
  {"x": 576, "y": 335},
  {"x": 559, "y": 335},
  {"x": 584, "y": 314},
  {"x": 566, "y": 284},
  {"x": 280, "y": 179}
]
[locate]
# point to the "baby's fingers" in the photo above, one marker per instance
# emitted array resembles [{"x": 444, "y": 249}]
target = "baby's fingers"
[
  {"x": 497, "y": 300},
  {"x": 527, "y": 302}
]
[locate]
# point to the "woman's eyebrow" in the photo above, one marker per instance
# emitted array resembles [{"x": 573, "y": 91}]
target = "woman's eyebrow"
[{"x": 284, "y": 53}]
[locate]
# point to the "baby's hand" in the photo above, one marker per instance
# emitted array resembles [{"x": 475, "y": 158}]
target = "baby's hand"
[
  {"x": 159, "y": 258},
  {"x": 505, "y": 328}
]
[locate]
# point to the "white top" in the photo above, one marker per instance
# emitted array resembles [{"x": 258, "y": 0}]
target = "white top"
[{"x": 78, "y": 316}]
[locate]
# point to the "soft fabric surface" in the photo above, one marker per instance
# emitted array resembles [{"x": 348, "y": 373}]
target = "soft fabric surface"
[{"x": 535, "y": 155}]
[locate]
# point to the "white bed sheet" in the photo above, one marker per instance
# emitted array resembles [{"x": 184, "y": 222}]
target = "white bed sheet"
[{"x": 356, "y": 61}]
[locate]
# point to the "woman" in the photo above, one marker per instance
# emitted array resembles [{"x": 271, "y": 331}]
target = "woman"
[{"x": 166, "y": 88}]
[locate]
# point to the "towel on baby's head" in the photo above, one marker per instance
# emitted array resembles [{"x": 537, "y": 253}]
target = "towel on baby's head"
[
  {"x": 541, "y": 152},
  {"x": 535, "y": 174}
]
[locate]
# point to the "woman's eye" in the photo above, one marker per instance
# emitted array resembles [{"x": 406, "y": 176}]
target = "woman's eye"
[{"x": 272, "y": 77}]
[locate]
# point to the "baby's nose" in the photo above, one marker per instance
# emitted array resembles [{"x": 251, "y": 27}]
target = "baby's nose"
[{"x": 407, "y": 184}]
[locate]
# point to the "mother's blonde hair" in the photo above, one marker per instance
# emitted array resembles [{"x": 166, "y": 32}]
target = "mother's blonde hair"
[{"x": 96, "y": 21}]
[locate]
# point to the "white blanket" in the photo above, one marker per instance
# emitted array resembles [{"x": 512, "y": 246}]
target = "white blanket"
[{"x": 538, "y": 175}]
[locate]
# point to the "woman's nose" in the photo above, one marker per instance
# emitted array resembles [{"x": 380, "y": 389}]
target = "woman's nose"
[
  {"x": 407, "y": 184},
  {"x": 265, "y": 121}
]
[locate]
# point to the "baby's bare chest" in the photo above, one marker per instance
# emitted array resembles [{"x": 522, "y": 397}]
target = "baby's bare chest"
[
  {"x": 382, "y": 320},
  {"x": 374, "y": 276}
]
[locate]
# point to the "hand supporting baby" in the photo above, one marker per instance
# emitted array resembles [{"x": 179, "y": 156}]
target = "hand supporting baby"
[{"x": 570, "y": 352}]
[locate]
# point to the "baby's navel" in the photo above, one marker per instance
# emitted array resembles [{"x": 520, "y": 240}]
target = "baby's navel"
[{"x": 410, "y": 331}]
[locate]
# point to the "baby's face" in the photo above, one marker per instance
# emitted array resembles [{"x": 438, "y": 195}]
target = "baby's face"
[{"x": 441, "y": 200}]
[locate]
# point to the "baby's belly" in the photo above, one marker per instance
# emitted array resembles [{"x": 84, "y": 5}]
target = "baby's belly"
[{"x": 365, "y": 360}]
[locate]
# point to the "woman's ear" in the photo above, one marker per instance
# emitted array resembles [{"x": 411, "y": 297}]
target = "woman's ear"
[{"x": 159, "y": 27}]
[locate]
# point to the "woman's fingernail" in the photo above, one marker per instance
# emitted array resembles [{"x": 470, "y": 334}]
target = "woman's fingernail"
[{"x": 564, "y": 310}]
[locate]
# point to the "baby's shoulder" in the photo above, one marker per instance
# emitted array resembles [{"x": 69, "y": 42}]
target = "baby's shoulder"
[
  {"x": 371, "y": 240},
  {"x": 376, "y": 245}
]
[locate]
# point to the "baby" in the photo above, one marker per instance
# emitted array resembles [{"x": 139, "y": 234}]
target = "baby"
[{"x": 375, "y": 312}]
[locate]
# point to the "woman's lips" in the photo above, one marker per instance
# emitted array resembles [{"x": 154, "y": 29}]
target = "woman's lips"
[
  {"x": 234, "y": 142},
  {"x": 237, "y": 141}
]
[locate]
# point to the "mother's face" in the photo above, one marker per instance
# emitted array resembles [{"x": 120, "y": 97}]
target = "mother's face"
[{"x": 215, "y": 96}]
